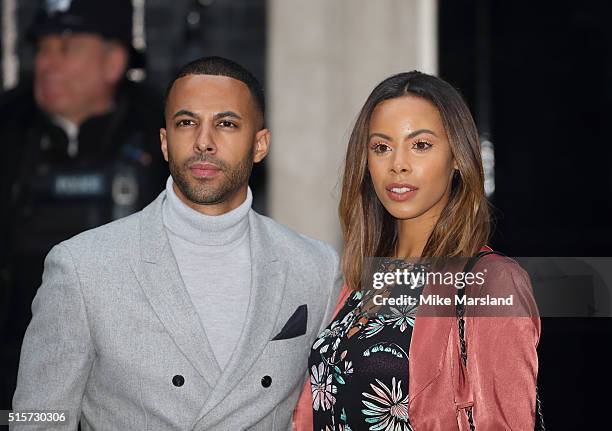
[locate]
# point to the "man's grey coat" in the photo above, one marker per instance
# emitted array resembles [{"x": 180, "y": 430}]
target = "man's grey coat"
[{"x": 113, "y": 325}]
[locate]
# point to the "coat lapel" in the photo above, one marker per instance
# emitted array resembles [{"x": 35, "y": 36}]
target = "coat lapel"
[
  {"x": 159, "y": 277},
  {"x": 268, "y": 274}
]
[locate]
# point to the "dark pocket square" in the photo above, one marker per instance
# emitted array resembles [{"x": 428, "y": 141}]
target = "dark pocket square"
[{"x": 296, "y": 325}]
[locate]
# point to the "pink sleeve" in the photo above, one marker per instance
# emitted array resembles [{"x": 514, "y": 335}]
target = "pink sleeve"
[
  {"x": 302, "y": 415},
  {"x": 503, "y": 361}
]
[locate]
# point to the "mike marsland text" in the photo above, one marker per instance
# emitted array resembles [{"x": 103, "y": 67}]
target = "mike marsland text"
[{"x": 444, "y": 300}]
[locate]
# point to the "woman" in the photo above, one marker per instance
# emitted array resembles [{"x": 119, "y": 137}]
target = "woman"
[{"x": 413, "y": 187}]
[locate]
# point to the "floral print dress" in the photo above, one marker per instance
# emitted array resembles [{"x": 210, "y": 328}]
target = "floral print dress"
[{"x": 359, "y": 365}]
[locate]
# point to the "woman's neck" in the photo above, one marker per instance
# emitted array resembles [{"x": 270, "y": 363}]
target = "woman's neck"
[{"x": 413, "y": 234}]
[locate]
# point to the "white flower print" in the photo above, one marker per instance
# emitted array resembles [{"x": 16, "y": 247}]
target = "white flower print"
[
  {"x": 334, "y": 332},
  {"x": 374, "y": 326},
  {"x": 323, "y": 390},
  {"x": 402, "y": 316},
  {"x": 387, "y": 410}
]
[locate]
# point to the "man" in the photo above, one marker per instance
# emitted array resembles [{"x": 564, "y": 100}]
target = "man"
[
  {"x": 197, "y": 312},
  {"x": 77, "y": 150}
]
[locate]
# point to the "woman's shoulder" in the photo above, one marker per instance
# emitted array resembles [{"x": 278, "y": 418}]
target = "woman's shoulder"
[
  {"x": 497, "y": 263},
  {"x": 504, "y": 277}
]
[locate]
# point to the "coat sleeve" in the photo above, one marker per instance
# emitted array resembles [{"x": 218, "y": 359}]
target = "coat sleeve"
[
  {"x": 302, "y": 415},
  {"x": 57, "y": 351},
  {"x": 502, "y": 363}
]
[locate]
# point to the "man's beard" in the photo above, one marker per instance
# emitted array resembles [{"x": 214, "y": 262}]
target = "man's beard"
[{"x": 203, "y": 192}]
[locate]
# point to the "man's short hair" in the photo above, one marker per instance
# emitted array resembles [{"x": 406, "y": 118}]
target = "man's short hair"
[{"x": 222, "y": 67}]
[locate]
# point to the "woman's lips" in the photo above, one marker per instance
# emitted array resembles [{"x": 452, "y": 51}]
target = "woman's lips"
[
  {"x": 204, "y": 170},
  {"x": 400, "y": 192}
]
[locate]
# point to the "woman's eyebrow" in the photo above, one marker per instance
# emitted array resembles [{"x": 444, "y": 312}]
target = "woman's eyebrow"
[
  {"x": 380, "y": 135},
  {"x": 418, "y": 132},
  {"x": 409, "y": 136}
]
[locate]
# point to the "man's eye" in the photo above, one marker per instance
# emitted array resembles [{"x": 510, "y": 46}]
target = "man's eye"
[
  {"x": 71, "y": 47},
  {"x": 421, "y": 146},
  {"x": 185, "y": 123},
  {"x": 380, "y": 148},
  {"x": 43, "y": 48},
  {"x": 226, "y": 123}
]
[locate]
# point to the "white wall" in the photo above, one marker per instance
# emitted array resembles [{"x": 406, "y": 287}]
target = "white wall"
[{"x": 324, "y": 58}]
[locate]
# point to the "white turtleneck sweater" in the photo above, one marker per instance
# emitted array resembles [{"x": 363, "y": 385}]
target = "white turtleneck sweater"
[{"x": 214, "y": 258}]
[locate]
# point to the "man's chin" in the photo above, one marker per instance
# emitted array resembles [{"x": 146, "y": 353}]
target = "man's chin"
[
  {"x": 209, "y": 196},
  {"x": 52, "y": 108}
]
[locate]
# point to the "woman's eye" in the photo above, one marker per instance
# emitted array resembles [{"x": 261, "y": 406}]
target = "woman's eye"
[
  {"x": 380, "y": 148},
  {"x": 421, "y": 146}
]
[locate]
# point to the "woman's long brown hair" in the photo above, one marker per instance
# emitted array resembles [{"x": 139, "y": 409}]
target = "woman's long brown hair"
[{"x": 368, "y": 229}]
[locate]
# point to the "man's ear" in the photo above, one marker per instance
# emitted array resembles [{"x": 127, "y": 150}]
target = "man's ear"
[
  {"x": 116, "y": 62},
  {"x": 262, "y": 144},
  {"x": 164, "y": 142}
]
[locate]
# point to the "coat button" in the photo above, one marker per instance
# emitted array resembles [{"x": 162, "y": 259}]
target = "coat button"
[
  {"x": 178, "y": 380},
  {"x": 266, "y": 381}
]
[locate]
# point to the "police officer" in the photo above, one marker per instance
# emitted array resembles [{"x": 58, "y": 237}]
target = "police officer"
[{"x": 79, "y": 149}]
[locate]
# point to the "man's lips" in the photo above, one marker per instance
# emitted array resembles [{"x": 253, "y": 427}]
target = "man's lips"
[
  {"x": 51, "y": 83},
  {"x": 400, "y": 191},
  {"x": 204, "y": 170}
]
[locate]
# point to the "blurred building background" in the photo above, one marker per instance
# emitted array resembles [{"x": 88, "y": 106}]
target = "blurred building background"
[
  {"x": 537, "y": 76},
  {"x": 324, "y": 58},
  {"x": 172, "y": 33}
]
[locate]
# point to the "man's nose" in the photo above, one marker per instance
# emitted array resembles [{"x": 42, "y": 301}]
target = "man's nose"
[{"x": 205, "y": 142}]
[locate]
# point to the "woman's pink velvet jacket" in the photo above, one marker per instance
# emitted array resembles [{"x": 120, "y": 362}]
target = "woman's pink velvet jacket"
[{"x": 500, "y": 380}]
